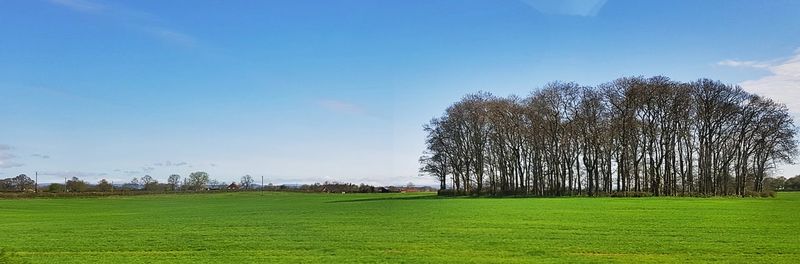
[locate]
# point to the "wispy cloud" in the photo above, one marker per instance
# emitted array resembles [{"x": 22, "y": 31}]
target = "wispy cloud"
[
  {"x": 128, "y": 172},
  {"x": 745, "y": 64},
  {"x": 586, "y": 8},
  {"x": 41, "y": 156},
  {"x": 140, "y": 21},
  {"x": 171, "y": 36},
  {"x": 340, "y": 106},
  {"x": 170, "y": 164},
  {"x": 782, "y": 83},
  {"x": 79, "y": 5},
  {"x": 79, "y": 174},
  {"x": 7, "y": 160}
]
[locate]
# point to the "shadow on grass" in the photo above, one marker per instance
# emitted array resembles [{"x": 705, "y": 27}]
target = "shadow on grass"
[
  {"x": 394, "y": 198},
  {"x": 435, "y": 197},
  {"x": 10, "y": 257}
]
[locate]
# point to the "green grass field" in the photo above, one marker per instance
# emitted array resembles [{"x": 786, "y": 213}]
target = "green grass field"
[{"x": 398, "y": 228}]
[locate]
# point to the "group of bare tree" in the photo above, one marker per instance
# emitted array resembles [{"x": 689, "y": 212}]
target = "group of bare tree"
[{"x": 645, "y": 135}]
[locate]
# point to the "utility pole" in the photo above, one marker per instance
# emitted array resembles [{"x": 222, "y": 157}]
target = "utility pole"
[
  {"x": 36, "y": 187},
  {"x": 262, "y": 184},
  {"x": 65, "y": 184}
]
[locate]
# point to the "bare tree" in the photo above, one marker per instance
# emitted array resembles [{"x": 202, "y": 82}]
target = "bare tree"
[
  {"x": 246, "y": 182},
  {"x": 635, "y": 134},
  {"x": 174, "y": 181}
]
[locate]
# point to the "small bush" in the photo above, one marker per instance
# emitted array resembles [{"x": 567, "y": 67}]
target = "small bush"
[
  {"x": 625, "y": 194},
  {"x": 446, "y": 192},
  {"x": 764, "y": 194},
  {"x": 701, "y": 195}
]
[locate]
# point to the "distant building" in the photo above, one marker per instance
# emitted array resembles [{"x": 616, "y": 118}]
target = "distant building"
[
  {"x": 215, "y": 187},
  {"x": 233, "y": 187},
  {"x": 409, "y": 190}
]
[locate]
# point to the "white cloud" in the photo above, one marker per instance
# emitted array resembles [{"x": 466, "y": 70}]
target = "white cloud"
[
  {"x": 584, "y": 8},
  {"x": 738, "y": 63},
  {"x": 782, "y": 84}
]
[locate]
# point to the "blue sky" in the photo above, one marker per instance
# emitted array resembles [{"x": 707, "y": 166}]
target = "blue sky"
[{"x": 307, "y": 91}]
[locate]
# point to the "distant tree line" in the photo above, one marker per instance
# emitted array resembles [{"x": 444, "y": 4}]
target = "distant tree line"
[
  {"x": 339, "y": 187},
  {"x": 633, "y": 135},
  {"x": 783, "y": 184},
  {"x": 196, "y": 181},
  {"x": 334, "y": 187}
]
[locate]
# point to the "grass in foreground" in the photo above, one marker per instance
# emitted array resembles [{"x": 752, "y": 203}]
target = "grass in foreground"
[{"x": 398, "y": 228}]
